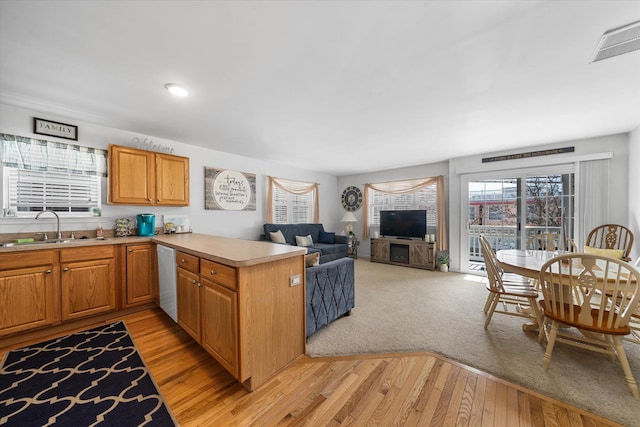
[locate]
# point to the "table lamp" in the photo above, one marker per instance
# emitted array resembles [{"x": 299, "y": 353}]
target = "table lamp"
[{"x": 349, "y": 217}]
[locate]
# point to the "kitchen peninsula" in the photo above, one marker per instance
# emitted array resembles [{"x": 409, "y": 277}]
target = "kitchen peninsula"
[{"x": 243, "y": 301}]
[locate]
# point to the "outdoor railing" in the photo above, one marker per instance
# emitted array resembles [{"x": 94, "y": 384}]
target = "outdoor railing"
[{"x": 500, "y": 238}]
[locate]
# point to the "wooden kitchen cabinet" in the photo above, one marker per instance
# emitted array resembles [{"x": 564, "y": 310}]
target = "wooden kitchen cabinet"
[
  {"x": 140, "y": 177},
  {"x": 30, "y": 294},
  {"x": 172, "y": 180},
  {"x": 188, "y": 294},
  {"x": 220, "y": 324},
  {"x": 140, "y": 274},
  {"x": 88, "y": 281}
]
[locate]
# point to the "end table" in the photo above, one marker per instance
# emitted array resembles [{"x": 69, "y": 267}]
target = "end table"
[{"x": 352, "y": 243}]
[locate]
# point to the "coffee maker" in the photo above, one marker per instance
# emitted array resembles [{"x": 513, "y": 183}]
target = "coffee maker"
[{"x": 146, "y": 224}]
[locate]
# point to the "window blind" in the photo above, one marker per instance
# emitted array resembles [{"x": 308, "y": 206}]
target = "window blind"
[{"x": 33, "y": 191}]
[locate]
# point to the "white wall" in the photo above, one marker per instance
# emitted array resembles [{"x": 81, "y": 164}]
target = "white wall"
[
  {"x": 421, "y": 171},
  {"x": 618, "y": 180},
  {"x": 240, "y": 224},
  {"x": 634, "y": 191}
]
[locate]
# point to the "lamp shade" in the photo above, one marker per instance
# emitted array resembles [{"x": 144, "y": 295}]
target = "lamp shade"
[{"x": 349, "y": 217}]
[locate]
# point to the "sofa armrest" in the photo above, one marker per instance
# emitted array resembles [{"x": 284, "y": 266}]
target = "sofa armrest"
[{"x": 330, "y": 292}]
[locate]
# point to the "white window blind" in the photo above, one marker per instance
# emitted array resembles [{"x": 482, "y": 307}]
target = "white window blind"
[
  {"x": 34, "y": 191},
  {"x": 291, "y": 208}
]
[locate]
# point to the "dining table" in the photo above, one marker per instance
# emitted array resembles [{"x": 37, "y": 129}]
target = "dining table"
[{"x": 525, "y": 262}]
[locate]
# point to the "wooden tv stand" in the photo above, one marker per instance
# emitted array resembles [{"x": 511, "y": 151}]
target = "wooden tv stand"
[{"x": 409, "y": 253}]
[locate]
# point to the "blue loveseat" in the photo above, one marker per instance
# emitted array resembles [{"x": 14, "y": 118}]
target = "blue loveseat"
[{"x": 330, "y": 246}]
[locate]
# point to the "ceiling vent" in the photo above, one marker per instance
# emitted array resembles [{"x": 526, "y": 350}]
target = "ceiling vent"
[{"x": 618, "y": 41}]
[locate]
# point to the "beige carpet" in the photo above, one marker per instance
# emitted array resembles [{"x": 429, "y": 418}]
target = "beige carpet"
[{"x": 404, "y": 309}]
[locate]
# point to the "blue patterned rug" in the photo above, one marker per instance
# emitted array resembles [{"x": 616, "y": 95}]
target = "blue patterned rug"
[{"x": 94, "y": 377}]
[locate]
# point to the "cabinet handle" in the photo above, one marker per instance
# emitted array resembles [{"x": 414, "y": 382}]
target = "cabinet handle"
[
  {"x": 65, "y": 269},
  {"x": 182, "y": 260},
  {"x": 213, "y": 272},
  {"x": 148, "y": 199},
  {"x": 158, "y": 200},
  {"x": 130, "y": 250},
  {"x": 48, "y": 272}
]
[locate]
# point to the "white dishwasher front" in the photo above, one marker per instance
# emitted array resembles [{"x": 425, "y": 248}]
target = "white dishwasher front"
[{"x": 167, "y": 281}]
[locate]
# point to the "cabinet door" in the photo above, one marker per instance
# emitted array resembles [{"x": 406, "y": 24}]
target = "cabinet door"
[
  {"x": 188, "y": 288},
  {"x": 28, "y": 299},
  {"x": 379, "y": 250},
  {"x": 132, "y": 176},
  {"x": 220, "y": 324},
  {"x": 419, "y": 254},
  {"x": 88, "y": 288},
  {"x": 172, "y": 180},
  {"x": 139, "y": 274}
]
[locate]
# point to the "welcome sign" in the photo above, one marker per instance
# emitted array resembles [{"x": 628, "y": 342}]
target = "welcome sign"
[{"x": 229, "y": 190}]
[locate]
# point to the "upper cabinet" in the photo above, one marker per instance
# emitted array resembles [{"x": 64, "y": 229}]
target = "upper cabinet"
[{"x": 139, "y": 177}]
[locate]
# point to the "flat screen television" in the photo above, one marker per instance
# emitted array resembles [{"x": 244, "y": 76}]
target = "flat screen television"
[{"x": 403, "y": 224}]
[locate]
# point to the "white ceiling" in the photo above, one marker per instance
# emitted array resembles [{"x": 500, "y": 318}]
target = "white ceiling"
[{"x": 335, "y": 86}]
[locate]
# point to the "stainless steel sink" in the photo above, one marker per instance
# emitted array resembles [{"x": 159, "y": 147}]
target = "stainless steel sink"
[{"x": 42, "y": 242}]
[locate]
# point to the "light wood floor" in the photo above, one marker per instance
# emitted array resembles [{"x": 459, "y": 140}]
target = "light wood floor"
[{"x": 412, "y": 389}]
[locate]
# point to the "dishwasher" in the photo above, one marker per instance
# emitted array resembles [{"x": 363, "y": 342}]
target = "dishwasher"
[{"x": 167, "y": 281}]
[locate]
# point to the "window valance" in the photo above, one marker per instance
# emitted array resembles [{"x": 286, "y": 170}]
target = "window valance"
[
  {"x": 293, "y": 187},
  {"x": 47, "y": 156}
]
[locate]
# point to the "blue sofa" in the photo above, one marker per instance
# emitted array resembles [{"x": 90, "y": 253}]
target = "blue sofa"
[
  {"x": 328, "y": 251},
  {"x": 330, "y": 292}
]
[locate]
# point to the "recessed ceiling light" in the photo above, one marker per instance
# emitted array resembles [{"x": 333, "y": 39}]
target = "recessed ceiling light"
[{"x": 176, "y": 89}]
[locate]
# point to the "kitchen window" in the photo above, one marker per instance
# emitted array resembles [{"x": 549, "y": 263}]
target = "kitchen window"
[{"x": 61, "y": 177}]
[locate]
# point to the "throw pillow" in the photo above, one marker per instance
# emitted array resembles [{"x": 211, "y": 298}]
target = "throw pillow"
[
  {"x": 277, "y": 237},
  {"x": 326, "y": 237},
  {"x": 312, "y": 259},
  {"x": 613, "y": 253},
  {"x": 304, "y": 240}
]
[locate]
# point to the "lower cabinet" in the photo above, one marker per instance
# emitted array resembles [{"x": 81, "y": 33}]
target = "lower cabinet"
[
  {"x": 188, "y": 290},
  {"x": 250, "y": 318},
  {"x": 28, "y": 296},
  {"x": 40, "y": 288},
  {"x": 88, "y": 281},
  {"x": 219, "y": 324},
  {"x": 140, "y": 275}
]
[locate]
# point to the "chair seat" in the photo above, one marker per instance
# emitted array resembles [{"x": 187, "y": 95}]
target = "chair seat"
[
  {"x": 567, "y": 319},
  {"x": 515, "y": 291},
  {"x": 515, "y": 278}
]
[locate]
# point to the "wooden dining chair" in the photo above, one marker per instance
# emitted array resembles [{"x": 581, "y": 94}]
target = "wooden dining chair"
[
  {"x": 543, "y": 242},
  {"x": 513, "y": 292},
  {"x": 634, "y": 321},
  {"x": 577, "y": 311},
  {"x": 611, "y": 237}
]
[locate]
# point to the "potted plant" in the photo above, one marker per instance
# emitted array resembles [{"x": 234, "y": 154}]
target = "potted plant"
[{"x": 443, "y": 261}]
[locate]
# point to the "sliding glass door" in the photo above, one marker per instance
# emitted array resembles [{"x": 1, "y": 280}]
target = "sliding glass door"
[{"x": 511, "y": 207}]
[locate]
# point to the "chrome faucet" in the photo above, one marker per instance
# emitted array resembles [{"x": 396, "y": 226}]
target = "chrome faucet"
[{"x": 59, "y": 234}]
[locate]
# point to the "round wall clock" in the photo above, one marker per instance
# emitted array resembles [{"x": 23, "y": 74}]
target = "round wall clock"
[{"x": 351, "y": 198}]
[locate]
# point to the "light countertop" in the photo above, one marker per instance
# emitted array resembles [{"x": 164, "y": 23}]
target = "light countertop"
[{"x": 228, "y": 251}]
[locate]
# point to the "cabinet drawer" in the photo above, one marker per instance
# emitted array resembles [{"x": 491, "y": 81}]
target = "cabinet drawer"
[
  {"x": 87, "y": 253},
  {"x": 188, "y": 262},
  {"x": 26, "y": 259},
  {"x": 219, "y": 273}
]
